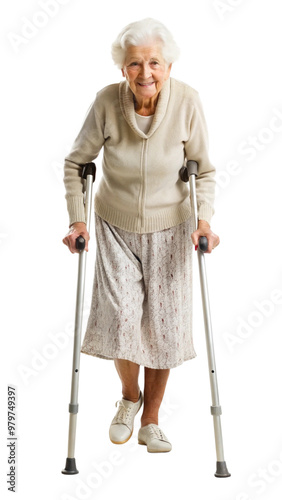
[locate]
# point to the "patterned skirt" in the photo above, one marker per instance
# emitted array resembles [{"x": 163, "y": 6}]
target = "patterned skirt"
[{"x": 142, "y": 296}]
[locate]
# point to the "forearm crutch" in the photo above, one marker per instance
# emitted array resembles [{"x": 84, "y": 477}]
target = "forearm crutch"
[
  {"x": 190, "y": 172},
  {"x": 88, "y": 173}
]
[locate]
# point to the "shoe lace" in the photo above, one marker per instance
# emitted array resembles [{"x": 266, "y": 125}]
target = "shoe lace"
[
  {"x": 123, "y": 413},
  {"x": 157, "y": 432}
]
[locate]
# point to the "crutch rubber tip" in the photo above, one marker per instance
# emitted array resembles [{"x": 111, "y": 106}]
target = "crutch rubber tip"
[
  {"x": 221, "y": 470},
  {"x": 70, "y": 467}
]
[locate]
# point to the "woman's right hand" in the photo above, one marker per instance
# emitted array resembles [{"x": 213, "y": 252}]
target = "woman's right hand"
[{"x": 76, "y": 229}]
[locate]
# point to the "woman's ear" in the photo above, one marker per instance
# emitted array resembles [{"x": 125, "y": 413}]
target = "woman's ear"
[
  {"x": 123, "y": 73},
  {"x": 168, "y": 71}
]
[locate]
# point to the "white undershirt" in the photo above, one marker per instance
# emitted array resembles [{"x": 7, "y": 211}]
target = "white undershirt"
[{"x": 144, "y": 122}]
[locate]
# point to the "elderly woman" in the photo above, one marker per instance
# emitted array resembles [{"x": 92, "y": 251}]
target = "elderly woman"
[{"x": 141, "y": 312}]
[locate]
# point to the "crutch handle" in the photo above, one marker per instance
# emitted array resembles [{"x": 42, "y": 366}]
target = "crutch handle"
[
  {"x": 203, "y": 243},
  {"x": 80, "y": 243}
]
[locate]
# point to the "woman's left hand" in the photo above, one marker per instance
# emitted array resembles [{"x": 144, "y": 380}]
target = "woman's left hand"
[{"x": 205, "y": 230}]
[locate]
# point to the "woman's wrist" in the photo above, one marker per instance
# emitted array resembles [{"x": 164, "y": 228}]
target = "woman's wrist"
[
  {"x": 77, "y": 224},
  {"x": 203, "y": 224}
]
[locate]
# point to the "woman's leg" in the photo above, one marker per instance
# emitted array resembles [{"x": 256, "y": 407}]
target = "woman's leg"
[
  {"x": 155, "y": 384},
  {"x": 128, "y": 374}
]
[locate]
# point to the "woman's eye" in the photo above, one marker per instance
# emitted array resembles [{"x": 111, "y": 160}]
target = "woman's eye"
[{"x": 134, "y": 64}]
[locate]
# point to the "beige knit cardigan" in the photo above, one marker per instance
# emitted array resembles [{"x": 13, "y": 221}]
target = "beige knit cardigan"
[{"x": 140, "y": 190}]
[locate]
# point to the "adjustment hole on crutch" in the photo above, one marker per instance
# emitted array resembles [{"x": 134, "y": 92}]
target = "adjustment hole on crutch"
[
  {"x": 212, "y": 371},
  {"x": 76, "y": 370}
]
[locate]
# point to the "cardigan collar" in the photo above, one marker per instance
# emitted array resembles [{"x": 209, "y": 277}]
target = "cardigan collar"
[{"x": 127, "y": 106}]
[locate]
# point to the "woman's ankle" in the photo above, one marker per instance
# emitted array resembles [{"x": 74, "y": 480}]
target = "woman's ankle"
[
  {"x": 149, "y": 420},
  {"x": 132, "y": 396}
]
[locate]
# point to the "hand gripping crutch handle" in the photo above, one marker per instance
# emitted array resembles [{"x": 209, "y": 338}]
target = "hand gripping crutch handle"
[
  {"x": 203, "y": 243},
  {"x": 88, "y": 174},
  {"x": 190, "y": 172},
  {"x": 80, "y": 243}
]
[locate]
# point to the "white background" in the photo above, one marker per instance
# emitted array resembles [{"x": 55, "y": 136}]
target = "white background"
[{"x": 231, "y": 53}]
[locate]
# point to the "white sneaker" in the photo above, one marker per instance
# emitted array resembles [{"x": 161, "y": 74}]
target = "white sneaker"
[
  {"x": 121, "y": 428},
  {"x": 154, "y": 438}
]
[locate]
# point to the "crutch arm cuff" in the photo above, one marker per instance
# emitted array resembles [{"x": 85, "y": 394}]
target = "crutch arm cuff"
[
  {"x": 88, "y": 169},
  {"x": 191, "y": 168}
]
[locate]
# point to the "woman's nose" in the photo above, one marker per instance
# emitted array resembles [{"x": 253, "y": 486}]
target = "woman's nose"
[{"x": 145, "y": 71}]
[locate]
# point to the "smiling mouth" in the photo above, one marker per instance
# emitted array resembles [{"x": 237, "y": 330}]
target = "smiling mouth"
[{"x": 146, "y": 84}]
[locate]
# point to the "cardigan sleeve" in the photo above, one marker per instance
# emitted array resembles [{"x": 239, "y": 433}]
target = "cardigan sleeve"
[
  {"x": 196, "y": 148},
  {"x": 86, "y": 148}
]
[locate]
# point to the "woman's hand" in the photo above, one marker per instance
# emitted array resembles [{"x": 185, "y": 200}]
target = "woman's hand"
[
  {"x": 76, "y": 229},
  {"x": 205, "y": 230}
]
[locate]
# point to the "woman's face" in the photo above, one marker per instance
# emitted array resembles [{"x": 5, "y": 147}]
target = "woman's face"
[{"x": 145, "y": 70}]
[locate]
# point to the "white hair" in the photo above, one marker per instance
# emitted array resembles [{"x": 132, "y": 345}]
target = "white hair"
[{"x": 143, "y": 33}]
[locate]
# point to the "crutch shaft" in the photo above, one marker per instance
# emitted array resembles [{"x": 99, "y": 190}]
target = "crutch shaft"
[
  {"x": 215, "y": 408},
  {"x": 73, "y": 406},
  {"x": 72, "y": 435},
  {"x": 208, "y": 329},
  {"x": 70, "y": 467}
]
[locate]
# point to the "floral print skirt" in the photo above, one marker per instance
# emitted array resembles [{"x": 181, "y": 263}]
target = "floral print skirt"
[{"x": 142, "y": 296}]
